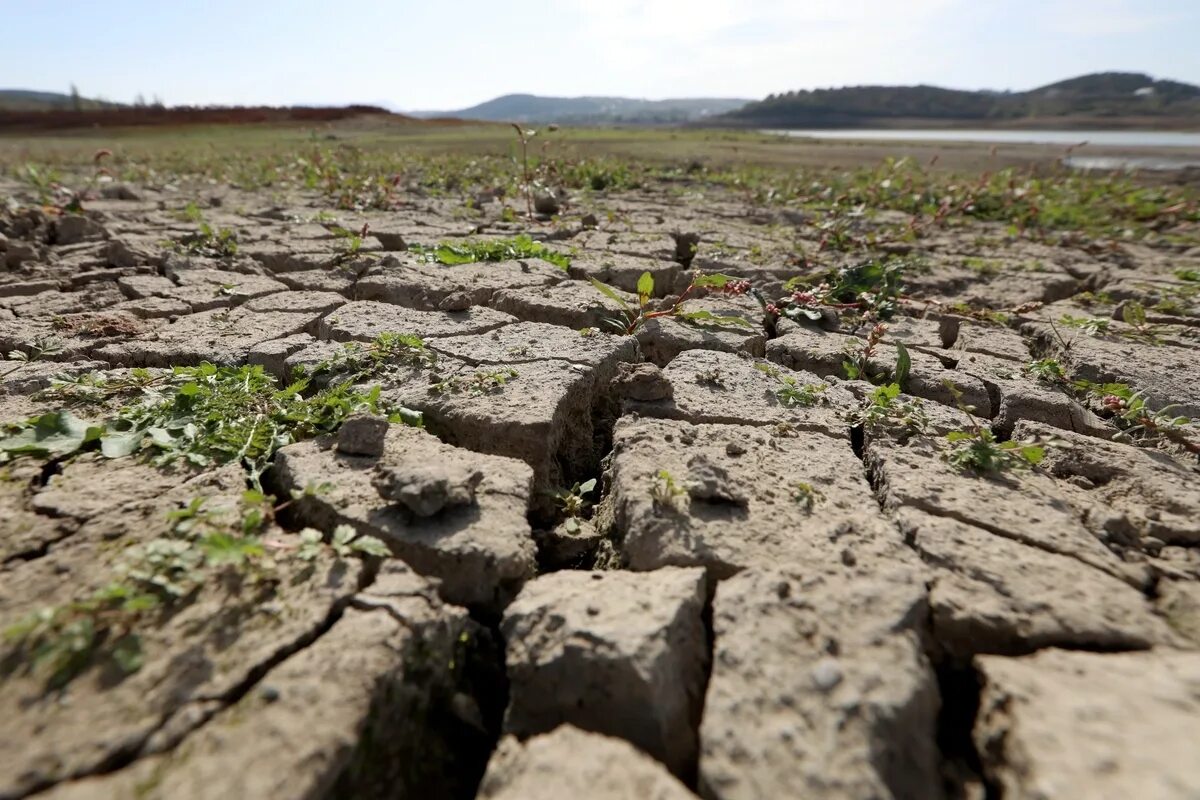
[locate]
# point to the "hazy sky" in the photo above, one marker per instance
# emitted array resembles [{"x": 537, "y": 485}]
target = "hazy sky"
[{"x": 445, "y": 54}]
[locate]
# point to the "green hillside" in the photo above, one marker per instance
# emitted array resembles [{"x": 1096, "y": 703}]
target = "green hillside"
[{"x": 1098, "y": 96}]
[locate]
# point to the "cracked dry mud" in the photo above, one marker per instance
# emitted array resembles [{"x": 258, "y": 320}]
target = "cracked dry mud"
[{"x": 805, "y": 608}]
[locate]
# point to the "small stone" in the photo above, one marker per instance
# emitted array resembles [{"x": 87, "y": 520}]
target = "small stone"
[
  {"x": 546, "y": 203},
  {"x": 712, "y": 482},
  {"x": 269, "y": 694},
  {"x": 362, "y": 435},
  {"x": 826, "y": 674},
  {"x": 455, "y": 301},
  {"x": 589, "y": 221},
  {"x": 390, "y": 241},
  {"x": 642, "y": 382},
  {"x": 119, "y": 191},
  {"x": 1152, "y": 545},
  {"x": 427, "y": 490},
  {"x": 20, "y": 252},
  {"x": 735, "y": 449},
  {"x": 75, "y": 228},
  {"x": 567, "y": 544}
]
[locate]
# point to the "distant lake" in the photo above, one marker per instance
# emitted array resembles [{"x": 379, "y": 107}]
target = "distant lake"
[{"x": 1065, "y": 138}]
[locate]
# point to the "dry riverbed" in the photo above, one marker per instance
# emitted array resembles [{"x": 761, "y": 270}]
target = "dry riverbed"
[{"x": 488, "y": 544}]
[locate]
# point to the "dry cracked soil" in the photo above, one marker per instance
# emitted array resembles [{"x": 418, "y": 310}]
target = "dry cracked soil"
[{"x": 765, "y": 594}]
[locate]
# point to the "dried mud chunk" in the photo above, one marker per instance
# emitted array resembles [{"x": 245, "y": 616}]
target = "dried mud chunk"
[
  {"x": 202, "y": 648},
  {"x": 522, "y": 342},
  {"x": 406, "y": 282},
  {"x": 542, "y": 413},
  {"x": 713, "y": 387},
  {"x": 1169, "y": 374},
  {"x": 661, "y": 340},
  {"x": 622, "y": 271},
  {"x": 75, "y": 228},
  {"x": 365, "y": 320},
  {"x": 1153, "y": 494},
  {"x": 568, "y": 762},
  {"x": 1028, "y": 506},
  {"x": 806, "y": 500},
  {"x": 220, "y": 337},
  {"x": 481, "y": 553},
  {"x": 993, "y": 595},
  {"x": 618, "y": 653},
  {"x": 824, "y": 354},
  {"x": 1110, "y": 726},
  {"x": 1018, "y": 396},
  {"x": 427, "y": 490},
  {"x": 642, "y": 382},
  {"x": 711, "y": 483},
  {"x": 362, "y": 435},
  {"x": 360, "y": 712},
  {"x": 573, "y": 304},
  {"x": 819, "y": 688}
]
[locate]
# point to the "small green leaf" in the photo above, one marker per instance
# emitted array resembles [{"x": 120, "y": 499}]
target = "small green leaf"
[
  {"x": 645, "y": 288},
  {"x": 715, "y": 319},
  {"x": 903, "y": 364},
  {"x": 610, "y": 293},
  {"x": 127, "y": 653},
  {"x": 715, "y": 280},
  {"x": 118, "y": 444},
  {"x": 371, "y": 546}
]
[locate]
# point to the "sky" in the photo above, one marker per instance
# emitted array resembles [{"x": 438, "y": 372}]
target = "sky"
[{"x": 449, "y": 54}]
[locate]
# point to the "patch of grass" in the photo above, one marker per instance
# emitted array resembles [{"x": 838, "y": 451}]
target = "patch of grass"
[
  {"x": 885, "y": 410},
  {"x": 209, "y": 242},
  {"x": 1046, "y": 370},
  {"x": 977, "y": 450},
  {"x": 470, "y": 252},
  {"x": 208, "y": 415},
  {"x": 156, "y": 577},
  {"x": 479, "y": 383},
  {"x": 789, "y": 392}
]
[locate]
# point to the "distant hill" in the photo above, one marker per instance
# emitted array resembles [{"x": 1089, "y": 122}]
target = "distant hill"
[
  {"x": 29, "y": 100},
  {"x": 591, "y": 110},
  {"x": 1098, "y": 98},
  {"x": 130, "y": 116}
]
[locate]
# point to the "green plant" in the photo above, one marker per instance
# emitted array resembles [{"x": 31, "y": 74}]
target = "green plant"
[
  {"x": 885, "y": 409},
  {"x": 345, "y": 542},
  {"x": 1092, "y": 326},
  {"x": 1135, "y": 418},
  {"x": 1046, "y": 370},
  {"x": 790, "y": 392},
  {"x": 470, "y": 252},
  {"x": 664, "y": 491},
  {"x": 479, "y": 383},
  {"x": 155, "y": 577},
  {"x": 363, "y": 361},
  {"x": 634, "y": 318},
  {"x": 805, "y": 495},
  {"x": 573, "y": 502},
  {"x": 202, "y": 416},
  {"x": 354, "y": 240},
  {"x": 209, "y": 242},
  {"x": 39, "y": 350},
  {"x": 857, "y": 364},
  {"x": 977, "y": 450},
  {"x": 872, "y": 289}
]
